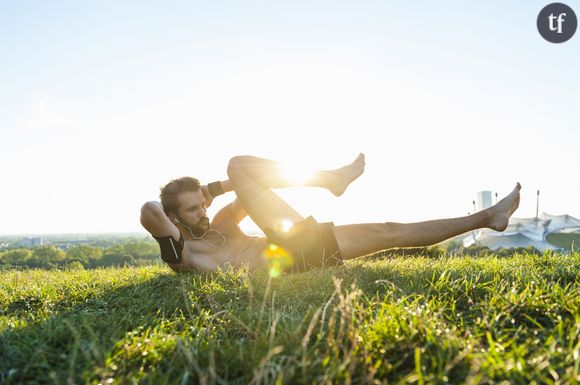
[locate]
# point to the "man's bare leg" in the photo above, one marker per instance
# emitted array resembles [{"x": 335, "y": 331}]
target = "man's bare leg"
[
  {"x": 361, "y": 239},
  {"x": 253, "y": 178},
  {"x": 269, "y": 174}
]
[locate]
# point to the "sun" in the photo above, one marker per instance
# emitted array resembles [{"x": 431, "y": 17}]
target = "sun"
[
  {"x": 296, "y": 173},
  {"x": 286, "y": 225}
]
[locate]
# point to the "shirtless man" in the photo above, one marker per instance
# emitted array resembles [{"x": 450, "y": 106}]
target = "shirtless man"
[{"x": 188, "y": 241}]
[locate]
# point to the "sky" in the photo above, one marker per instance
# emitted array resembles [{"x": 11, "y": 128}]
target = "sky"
[{"x": 101, "y": 103}]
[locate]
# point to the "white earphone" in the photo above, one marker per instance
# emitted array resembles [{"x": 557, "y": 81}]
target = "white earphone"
[{"x": 193, "y": 237}]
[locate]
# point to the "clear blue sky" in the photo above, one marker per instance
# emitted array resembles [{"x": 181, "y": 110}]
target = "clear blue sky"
[{"x": 103, "y": 102}]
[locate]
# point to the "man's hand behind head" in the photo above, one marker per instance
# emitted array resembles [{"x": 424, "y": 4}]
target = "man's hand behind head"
[{"x": 207, "y": 196}]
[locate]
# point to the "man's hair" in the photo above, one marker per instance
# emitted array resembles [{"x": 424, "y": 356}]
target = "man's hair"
[{"x": 171, "y": 190}]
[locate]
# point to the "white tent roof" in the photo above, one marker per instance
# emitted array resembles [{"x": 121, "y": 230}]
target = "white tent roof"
[
  {"x": 495, "y": 240},
  {"x": 558, "y": 222},
  {"x": 570, "y": 230},
  {"x": 524, "y": 232}
]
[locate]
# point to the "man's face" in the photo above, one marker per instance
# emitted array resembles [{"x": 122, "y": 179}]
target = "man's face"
[{"x": 192, "y": 211}]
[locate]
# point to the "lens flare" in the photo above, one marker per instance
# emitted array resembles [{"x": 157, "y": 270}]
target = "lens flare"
[
  {"x": 278, "y": 258},
  {"x": 286, "y": 225},
  {"x": 295, "y": 173}
]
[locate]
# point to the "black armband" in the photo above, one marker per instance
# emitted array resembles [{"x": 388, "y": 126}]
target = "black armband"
[
  {"x": 170, "y": 249},
  {"x": 215, "y": 189}
]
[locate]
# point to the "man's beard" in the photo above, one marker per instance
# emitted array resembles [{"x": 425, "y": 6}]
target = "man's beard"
[{"x": 198, "y": 229}]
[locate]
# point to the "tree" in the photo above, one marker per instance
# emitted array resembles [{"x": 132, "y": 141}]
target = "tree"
[
  {"x": 47, "y": 256},
  {"x": 84, "y": 254},
  {"x": 16, "y": 257},
  {"x": 74, "y": 265},
  {"x": 142, "y": 250}
]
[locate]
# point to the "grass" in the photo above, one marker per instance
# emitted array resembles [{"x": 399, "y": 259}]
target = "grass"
[{"x": 400, "y": 320}]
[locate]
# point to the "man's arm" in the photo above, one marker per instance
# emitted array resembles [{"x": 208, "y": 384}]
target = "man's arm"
[
  {"x": 155, "y": 221},
  {"x": 226, "y": 186},
  {"x": 230, "y": 215},
  {"x": 158, "y": 224}
]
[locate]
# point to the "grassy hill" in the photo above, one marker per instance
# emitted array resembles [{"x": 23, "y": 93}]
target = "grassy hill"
[{"x": 397, "y": 320}]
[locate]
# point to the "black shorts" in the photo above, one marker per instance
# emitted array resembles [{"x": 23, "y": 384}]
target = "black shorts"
[{"x": 309, "y": 243}]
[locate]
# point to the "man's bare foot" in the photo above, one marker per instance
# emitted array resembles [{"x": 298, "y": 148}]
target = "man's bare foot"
[
  {"x": 338, "y": 180},
  {"x": 501, "y": 212}
]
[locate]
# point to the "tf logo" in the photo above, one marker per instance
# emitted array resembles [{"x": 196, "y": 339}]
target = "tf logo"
[{"x": 557, "y": 22}]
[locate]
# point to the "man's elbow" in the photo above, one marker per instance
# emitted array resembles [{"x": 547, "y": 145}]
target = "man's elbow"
[
  {"x": 150, "y": 206},
  {"x": 150, "y": 212}
]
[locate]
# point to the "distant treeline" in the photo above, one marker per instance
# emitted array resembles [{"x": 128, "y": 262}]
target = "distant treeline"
[
  {"x": 139, "y": 253},
  {"x": 136, "y": 253}
]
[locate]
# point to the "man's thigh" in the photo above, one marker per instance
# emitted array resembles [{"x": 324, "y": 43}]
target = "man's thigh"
[
  {"x": 360, "y": 239},
  {"x": 263, "y": 205}
]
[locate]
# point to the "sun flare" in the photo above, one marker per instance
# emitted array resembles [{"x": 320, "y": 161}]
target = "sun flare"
[
  {"x": 295, "y": 173},
  {"x": 286, "y": 225}
]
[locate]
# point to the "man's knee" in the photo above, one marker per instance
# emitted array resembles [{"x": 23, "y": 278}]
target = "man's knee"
[
  {"x": 233, "y": 167},
  {"x": 236, "y": 164}
]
